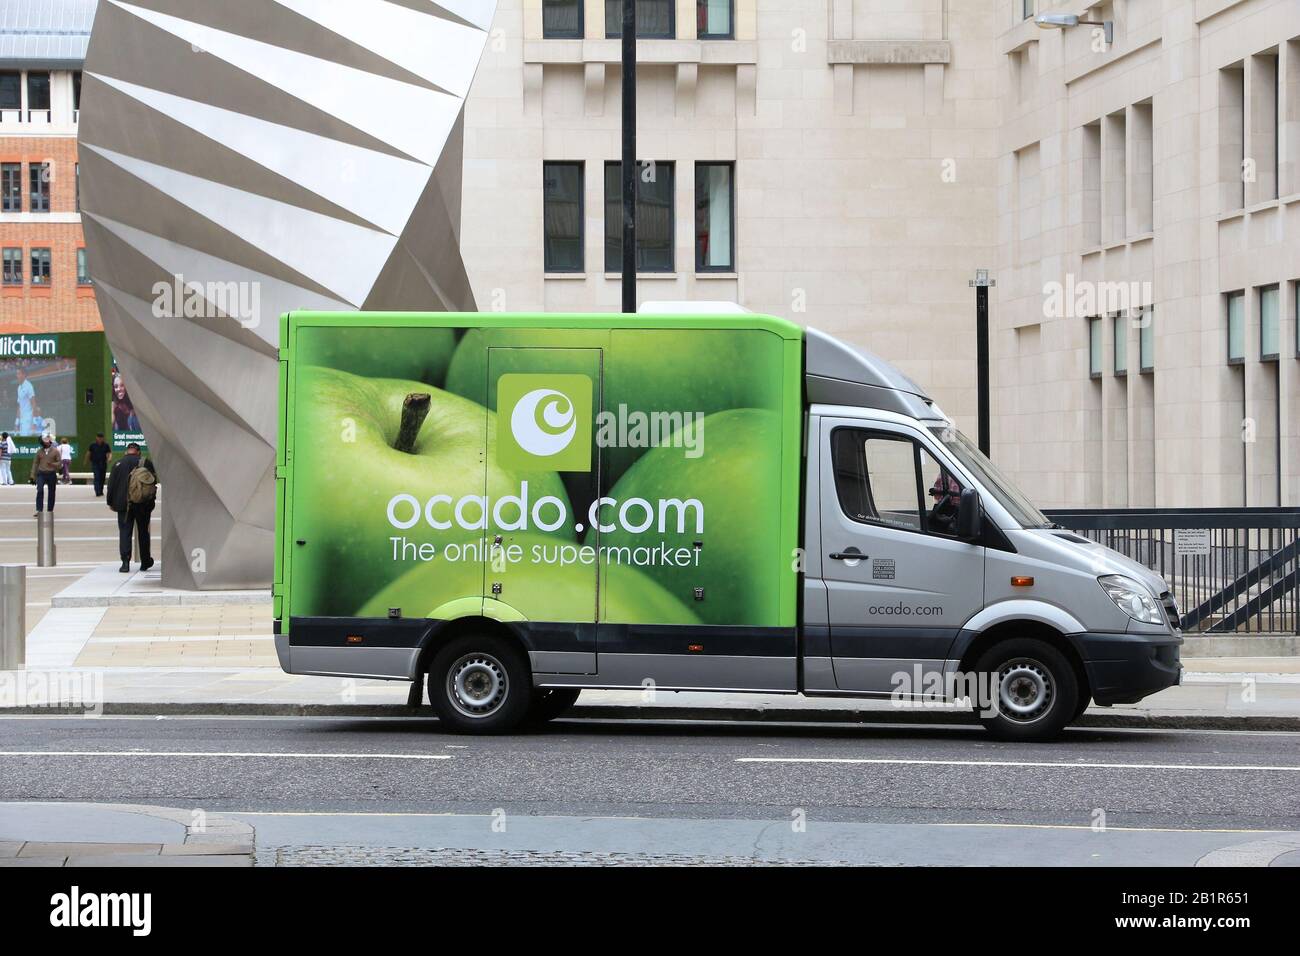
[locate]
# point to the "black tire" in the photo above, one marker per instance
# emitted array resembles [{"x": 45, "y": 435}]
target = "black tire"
[
  {"x": 1034, "y": 688},
  {"x": 551, "y": 702},
  {"x": 1080, "y": 708},
  {"x": 480, "y": 684}
]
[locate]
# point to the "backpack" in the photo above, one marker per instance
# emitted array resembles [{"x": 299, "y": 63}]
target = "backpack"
[{"x": 141, "y": 485}]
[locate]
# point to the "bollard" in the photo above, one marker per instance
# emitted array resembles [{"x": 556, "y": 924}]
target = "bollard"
[
  {"x": 13, "y": 617},
  {"x": 46, "y": 556}
]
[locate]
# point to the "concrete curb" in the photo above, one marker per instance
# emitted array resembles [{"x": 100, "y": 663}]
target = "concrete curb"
[
  {"x": 210, "y": 840},
  {"x": 1098, "y": 719}
]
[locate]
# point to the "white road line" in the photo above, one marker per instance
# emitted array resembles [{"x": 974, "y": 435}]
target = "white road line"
[
  {"x": 1047, "y": 764},
  {"x": 216, "y": 753}
]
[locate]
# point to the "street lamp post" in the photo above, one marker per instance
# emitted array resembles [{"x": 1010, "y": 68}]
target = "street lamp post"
[
  {"x": 629, "y": 155},
  {"x": 981, "y": 284}
]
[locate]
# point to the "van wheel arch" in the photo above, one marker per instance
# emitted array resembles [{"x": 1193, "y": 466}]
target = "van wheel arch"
[
  {"x": 1045, "y": 632},
  {"x": 450, "y": 630}
]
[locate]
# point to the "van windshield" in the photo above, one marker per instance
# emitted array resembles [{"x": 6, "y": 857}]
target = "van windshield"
[{"x": 996, "y": 483}]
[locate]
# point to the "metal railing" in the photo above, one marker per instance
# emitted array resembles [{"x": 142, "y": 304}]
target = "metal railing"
[{"x": 1231, "y": 570}]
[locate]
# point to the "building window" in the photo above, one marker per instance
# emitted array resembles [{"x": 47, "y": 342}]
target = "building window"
[
  {"x": 11, "y": 90},
  {"x": 1236, "y": 327},
  {"x": 11, "y": 187},
  {"x": 562, "y": 19},
  {"x": 715, "y": 193},
  {"x": 655, "y": 19},
  {"x": 654, "y": 217},
  {"x": 41, "y": 267},
  {"x": 77, "y": 176},
  {"x": 13, "y": 266},
  {"x": 1094, "y": 348},
  {"x": 1147, "y": 340},
  {"x": 713, "y": 20},
  {"x": 76, "y": 90},
  {"x": 38, "y": 92},
  {"x": 1119, "y": 326},
  {"x": 40, "y": 175},
  {"x": 83, "y": 272},
  {"x": 562, "y": 216},
  {"x": 1026, "y": 9},
  {"x": 1269, "y": 304}
]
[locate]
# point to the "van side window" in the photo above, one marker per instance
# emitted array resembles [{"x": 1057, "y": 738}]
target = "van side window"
[
  {"x": 876, "y": 478},
  {"x": 888, "y": 479}
]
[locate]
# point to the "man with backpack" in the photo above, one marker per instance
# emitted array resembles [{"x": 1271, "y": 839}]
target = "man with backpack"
[{"x": 132, "y": 491}]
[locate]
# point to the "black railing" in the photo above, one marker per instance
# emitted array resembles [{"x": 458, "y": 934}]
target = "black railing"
[{"x": 1230, "y": 569}]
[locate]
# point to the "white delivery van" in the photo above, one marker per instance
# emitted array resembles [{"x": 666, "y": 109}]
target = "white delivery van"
[{"x": 507, "y": 509}]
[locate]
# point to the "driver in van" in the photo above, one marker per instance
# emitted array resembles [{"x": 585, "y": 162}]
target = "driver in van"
[{"x": 946, "y": 492}]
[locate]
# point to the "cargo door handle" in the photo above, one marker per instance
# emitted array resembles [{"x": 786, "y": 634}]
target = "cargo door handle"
[{"x": 853, "y": 554}]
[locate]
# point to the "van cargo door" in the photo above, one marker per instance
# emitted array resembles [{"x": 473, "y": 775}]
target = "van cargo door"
[{"x": 541, "y": 476}]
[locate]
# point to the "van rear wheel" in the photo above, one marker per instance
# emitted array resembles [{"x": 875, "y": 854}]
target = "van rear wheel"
[
  {"x": 480, "y": 684},
  {"x": 1033, "y": 687},
  {"x": 551, "y": 702}
]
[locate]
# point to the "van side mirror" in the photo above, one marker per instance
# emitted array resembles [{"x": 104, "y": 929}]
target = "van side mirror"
[{"x": 970, "y": 515}]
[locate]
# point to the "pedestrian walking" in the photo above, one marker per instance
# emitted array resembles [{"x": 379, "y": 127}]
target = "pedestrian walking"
[
  {"x": 46, "y": 467},
  {"x": 99, "y": 455},
  {"x": 7, "y": 451},
  {"x": 132, "y": 492},
  {"x": 65, "y": 456}
]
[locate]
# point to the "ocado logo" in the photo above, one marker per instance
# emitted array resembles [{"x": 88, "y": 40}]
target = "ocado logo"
[
  {"x": 544, "y": 422},
  {"x": 550, "y": 421}
]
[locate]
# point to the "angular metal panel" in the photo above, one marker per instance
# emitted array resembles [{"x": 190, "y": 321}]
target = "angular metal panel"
[{"x": 298, "y": 155}]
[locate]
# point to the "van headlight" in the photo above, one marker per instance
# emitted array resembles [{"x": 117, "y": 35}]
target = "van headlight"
[{"x": 1132, "y": 598}]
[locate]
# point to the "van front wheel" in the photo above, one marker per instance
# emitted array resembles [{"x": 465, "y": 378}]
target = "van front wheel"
[
  {"x": 480, "y": 684},
  {"x": 1033, "y": 689}
]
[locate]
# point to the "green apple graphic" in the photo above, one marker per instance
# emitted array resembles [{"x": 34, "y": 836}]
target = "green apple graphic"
[
  {"x": 536, "y": 590},
  {"x": 420, "y": 355},
  {"x": 738, "y": 482},
  {"x": 647, "y": 370},
  {"x": 368, "y": 440}
]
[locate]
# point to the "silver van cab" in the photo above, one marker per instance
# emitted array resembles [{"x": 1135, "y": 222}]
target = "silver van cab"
[{"x": 989, "y": 588}]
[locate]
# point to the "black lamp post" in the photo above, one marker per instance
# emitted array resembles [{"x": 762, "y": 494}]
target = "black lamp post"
[
  {"x": 982, "y": 283},
  {"x": 629, "y": 155}
]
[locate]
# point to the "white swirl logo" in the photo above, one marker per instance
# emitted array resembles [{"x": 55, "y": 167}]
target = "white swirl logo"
[{"x": 544, "y": 422}]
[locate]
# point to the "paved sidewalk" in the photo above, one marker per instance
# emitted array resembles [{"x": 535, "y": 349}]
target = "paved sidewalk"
[
  {"x": 107, "y": 586},
  {"x": 114, "y": 834}
]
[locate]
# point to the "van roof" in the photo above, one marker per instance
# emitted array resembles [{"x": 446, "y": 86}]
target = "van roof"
[{"x": 555, "y": 320}]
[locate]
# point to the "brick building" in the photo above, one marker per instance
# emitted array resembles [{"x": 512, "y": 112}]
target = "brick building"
[{"x": 44, "y": 285}]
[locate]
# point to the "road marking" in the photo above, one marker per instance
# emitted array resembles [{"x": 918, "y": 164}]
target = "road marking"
[
  {"x": 899, "y": 761},
  {"x": 216, "y": 753},
  {"x": 620, "y": 817},
  {"x": 1106, "y": 829}
]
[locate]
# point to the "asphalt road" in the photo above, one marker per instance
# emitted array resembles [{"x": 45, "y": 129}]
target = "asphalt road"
[{"x": 398, "y": 790}]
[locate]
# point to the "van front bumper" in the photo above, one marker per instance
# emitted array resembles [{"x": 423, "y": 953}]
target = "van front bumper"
[{"x": 1124, "y": 668}]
